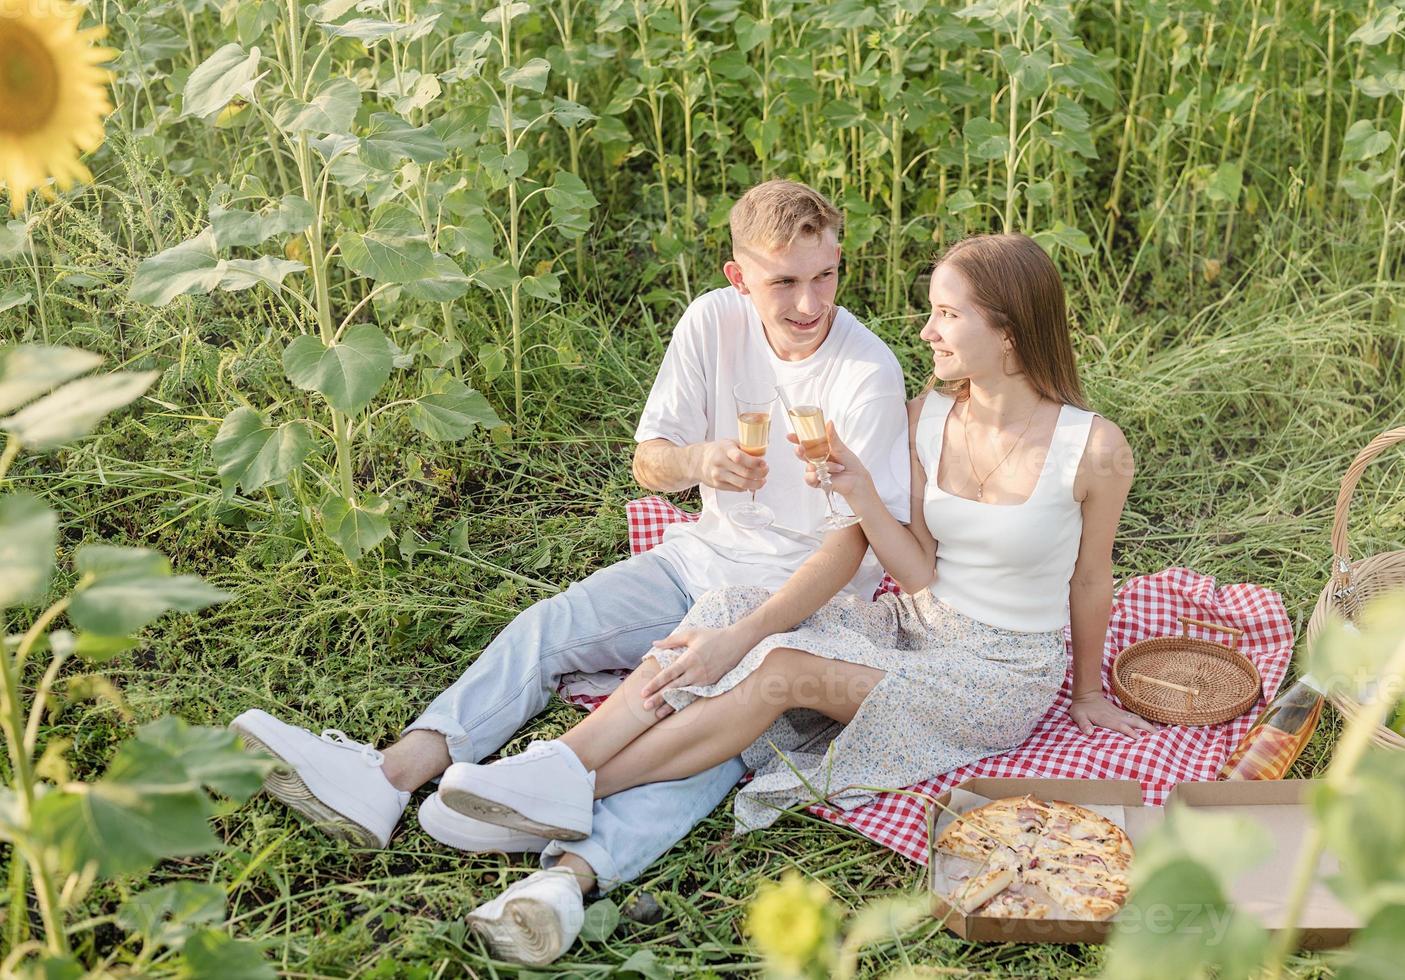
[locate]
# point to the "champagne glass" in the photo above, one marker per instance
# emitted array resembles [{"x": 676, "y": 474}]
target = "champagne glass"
[
  {"x": 755, "y": 402},
  {"x": 802, "y": 406}
]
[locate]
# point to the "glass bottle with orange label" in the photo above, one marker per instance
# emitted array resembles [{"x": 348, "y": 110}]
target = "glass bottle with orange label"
[{"x": 1269, "y": 749}]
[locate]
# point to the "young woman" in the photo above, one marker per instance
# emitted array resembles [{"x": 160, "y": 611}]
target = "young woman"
[{"x": 1017, "y": 489}]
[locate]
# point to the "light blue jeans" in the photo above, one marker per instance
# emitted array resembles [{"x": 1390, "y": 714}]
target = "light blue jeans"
[{"x": 604, "y": 622}]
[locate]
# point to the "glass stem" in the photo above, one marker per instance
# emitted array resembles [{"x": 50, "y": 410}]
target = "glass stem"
[{"x": 823, "y": 470}]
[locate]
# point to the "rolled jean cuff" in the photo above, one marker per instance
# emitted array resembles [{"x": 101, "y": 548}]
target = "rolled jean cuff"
[
  {"x": 459, "y": 742},
  {"x": 607, "y": 873}
]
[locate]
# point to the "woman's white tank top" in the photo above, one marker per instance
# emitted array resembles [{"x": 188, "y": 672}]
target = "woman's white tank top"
[{"x": 1006, "y": 565}]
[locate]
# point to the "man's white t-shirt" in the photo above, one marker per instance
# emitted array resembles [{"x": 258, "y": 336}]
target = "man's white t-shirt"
[{"x": 719, "y": 342}]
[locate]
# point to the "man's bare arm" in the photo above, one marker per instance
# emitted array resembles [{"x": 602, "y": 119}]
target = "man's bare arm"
[{"x": 667, "y": 468}]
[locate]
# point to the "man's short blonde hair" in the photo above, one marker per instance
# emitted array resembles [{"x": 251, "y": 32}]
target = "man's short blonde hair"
[{"x": 774, "y": 214}]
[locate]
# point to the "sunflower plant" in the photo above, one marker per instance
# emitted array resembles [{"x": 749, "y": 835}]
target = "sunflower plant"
[
  {"x": 53, "y": 96},
  {"x": 154, "y": 802},
  {"x": 388, "y": 208},
  {"x": 801, "y": 933}
]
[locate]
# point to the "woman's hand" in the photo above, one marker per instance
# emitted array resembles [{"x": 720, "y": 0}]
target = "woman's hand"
[
  {"x": 847, "y": 474},
  {"x": 1090, "y": 711},
  {"x": 709, "y": 654}
]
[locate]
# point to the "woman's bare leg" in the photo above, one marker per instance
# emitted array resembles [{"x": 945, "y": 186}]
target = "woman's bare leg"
[
  {"x": 599, "y": 736},
  {"x": 712, "y": 730}
]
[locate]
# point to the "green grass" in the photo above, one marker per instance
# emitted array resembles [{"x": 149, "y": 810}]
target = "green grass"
[
  {"x": 1244, "y": 396},
  {"x": 1243, "y": 414}
]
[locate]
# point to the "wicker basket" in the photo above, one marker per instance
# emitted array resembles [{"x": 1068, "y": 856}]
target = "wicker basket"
[
  {"x": 1183, "y": 680},
  {"x": 1355, "y": 583}
]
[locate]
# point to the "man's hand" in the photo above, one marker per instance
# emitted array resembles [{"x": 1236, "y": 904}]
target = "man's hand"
[
  {"x": 709, "y": 654},
  {"x": 1090, "y": 711},
  {"x": 725, "y": 467}
]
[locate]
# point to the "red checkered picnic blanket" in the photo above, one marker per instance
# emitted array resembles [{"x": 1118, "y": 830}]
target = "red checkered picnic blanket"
[
  {"x": 1145, "y": 607},
  {"x": 649, "y": 517}
]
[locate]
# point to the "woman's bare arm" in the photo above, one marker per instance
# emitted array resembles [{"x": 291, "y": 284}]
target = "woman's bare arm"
[
  {"x": 908, "y": 552},
  {"x": 1106, "y": 472}
]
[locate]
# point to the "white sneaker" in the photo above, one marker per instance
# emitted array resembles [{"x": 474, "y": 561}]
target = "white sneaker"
[
  {"x": 544, "y": 791},
  {"x": 466, "y": 834},
  {"x": 331, "y": 780},
  {"x": 535, "y": 920}
]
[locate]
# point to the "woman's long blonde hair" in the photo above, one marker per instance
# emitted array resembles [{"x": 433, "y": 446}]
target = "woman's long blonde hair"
[{"x": 1018, "y": 289}]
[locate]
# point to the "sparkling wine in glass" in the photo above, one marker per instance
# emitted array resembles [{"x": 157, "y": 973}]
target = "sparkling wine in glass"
[
  {"x": 807, "y": 420},
  {"x": 754, "y": 405}
]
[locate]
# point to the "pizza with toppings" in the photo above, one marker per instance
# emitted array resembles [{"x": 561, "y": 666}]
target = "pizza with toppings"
[
  {"x": 1078, "y": 859},
  {"x": 1009, "y": 905}
]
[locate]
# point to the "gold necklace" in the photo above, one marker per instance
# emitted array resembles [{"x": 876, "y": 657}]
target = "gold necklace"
[{"x": 966, "y": 431}]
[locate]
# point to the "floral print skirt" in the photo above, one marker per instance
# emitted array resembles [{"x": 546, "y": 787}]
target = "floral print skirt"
[{"x": 954, "y": 690}]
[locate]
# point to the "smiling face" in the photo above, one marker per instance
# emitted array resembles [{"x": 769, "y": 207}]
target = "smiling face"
[
  {"x": 963, "y": 341},
  {"x": 793, "y": 288}
]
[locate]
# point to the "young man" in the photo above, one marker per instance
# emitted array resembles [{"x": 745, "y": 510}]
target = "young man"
[{"x": 777, "y": 322}]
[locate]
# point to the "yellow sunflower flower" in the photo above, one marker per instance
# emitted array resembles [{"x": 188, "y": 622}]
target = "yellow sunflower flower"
[
  {"x": 53, "y": 96},
  {"x": 790, "y": 923}
]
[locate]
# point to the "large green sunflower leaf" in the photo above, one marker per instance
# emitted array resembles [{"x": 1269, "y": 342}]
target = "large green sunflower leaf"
[
  {"x": 109, "y": 561},
  {"x": 165, "y": 916},
  {"x": 29, "y": 532},
  {"x": 251, "y": 454},
  {"x": 190, "y": 267},
  {"x": 331, "y": 110},
  {"x": 453, "y": 413},
  {"x": 231, "y": 227},
  {"x": 214, "y": 955},
  {"x": 29, "y": 370},
  {"x": 388, "y": 255},
  {"x": 120, "y": 604},
  {"x": 348, "y": 374},
  {"x": 391, "y": 139},
  {"x": 151, "y": 804},
  {"x": 355, "y": 527},
  {"x": 76, "y": 408},
  {"x": 227, "y": 74}
]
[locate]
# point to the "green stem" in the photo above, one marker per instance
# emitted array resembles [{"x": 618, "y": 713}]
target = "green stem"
[
  {"x": 516, "y": 307},
  {"x": 341, "y": 435},
  {"x": 41, "y": 697},
  {"x": 689, "y": 194},
  {"x": 38, "y": 290},
  {"x": 12, "y": 449},
  {"x": 19, "y": 904},
  {"x": 36, "y": 631},
  {"x": 294, "y": 47},
  {"x": 12, "y": 722},
  {"x": 573, "y": 135},
  {"x": 1356, "y": 75},
  {"x": 1128, "y": 128},
  {"x": 1270, "y": 36},
  {"x": 514, "y": 255},
  {"x": 1011, "y": 154},
  {"x": 895, "y": 211},
  {"x": 1330, "y": 71},
  {"x": 1390, "y": 203},
  {"x": 765, "y": 86}
]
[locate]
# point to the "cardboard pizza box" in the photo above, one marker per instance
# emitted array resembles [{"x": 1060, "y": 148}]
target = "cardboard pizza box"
[{"x": 1278, "y": 806}]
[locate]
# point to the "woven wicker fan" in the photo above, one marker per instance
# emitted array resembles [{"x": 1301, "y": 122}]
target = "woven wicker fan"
[{"x": 1354, "y": 583}]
